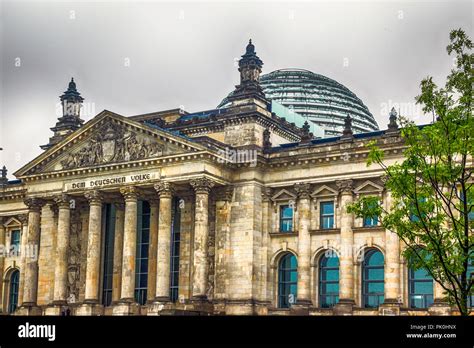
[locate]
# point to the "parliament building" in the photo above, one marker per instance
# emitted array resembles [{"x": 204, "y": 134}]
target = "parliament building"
[{"x": 239, "y": 210}]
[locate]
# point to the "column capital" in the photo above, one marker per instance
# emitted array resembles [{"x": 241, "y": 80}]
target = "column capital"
[
  {"x": 266, "y": 194},
  {"x": 164, "y": 189},
  {"x": 62, "y": 200},
  {"x": 225, "y": 193},
  {"x": 130, "y": 193},
  {"x": 344, "y": 186},
  {"x": 23, "y": 218},
  {"x": 34, "y": 203},
  {"x": 202, "y": 185},
  {"x": 303, "y": 190},
  {"x": 94, "y": 197}
]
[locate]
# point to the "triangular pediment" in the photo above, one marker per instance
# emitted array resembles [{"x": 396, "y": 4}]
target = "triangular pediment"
[
  {"x": 12, "y": 222},
  {"x": 109, "y": 139},
  {"x": 368, "y": 187},
  {"x": 324, "y": 191},
  {"x": 283, "y": 195}
]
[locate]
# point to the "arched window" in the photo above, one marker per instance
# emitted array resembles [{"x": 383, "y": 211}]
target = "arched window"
[
  {"x": 287, "y": 280},
  {"x": 328, "y": 281},
  {"x": 420, "y": 288},
  {"x": 14, "y": 286},
  {"x": 373, "y": 279}
]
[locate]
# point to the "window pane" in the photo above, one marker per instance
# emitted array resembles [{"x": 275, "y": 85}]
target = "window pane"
[
  {"x": 287, "y": 280},
  {"x": 327, "y": 208}
]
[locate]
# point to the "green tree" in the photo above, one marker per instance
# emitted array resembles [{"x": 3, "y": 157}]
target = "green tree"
[{"x": 432, "y": 187}]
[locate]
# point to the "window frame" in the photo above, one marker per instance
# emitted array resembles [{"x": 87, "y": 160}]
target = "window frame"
[
  {"x": 366, "y": 281},
  {"x": 282, "y": 219},
  {"x": 322, "y": 269},
  {"x": 282, "y": 298},
  {"x": 322, "y": 216},
  {"x": 13, "y": 292}
]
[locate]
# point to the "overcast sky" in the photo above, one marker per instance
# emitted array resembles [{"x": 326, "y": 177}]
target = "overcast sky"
[{"x": 136, "y": 57}]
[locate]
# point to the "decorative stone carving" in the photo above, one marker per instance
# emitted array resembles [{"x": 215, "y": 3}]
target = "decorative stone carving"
[
  {"x": 303, "y": 190},
  {"x": 23, "y": 218},
  {"x": 164, "y": 189},
  {"x": 94, "y": 197},
  {"x": 129, "y": 193},
  {"x": 33, "y": 203},
  {"x": 62, "y": 200},
  {"x": 113, "y": 143},
  {"x": 202, "y": 185},
  {"x": 266, "y": 194},
  {"x": 225, "y": 193},
  {"x": 344, "y": 186}
]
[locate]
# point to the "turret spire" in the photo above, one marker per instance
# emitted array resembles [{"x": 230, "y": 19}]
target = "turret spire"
[
  {"x": 250, "y": 68},
  {"x": 71, "y": 103}
]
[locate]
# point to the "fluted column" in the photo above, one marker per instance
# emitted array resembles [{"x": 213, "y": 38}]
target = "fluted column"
[
  {"x": 93, "y": 246},
  {"x": 346, "y": 258},
  {"x": 202, "y": 187},
  {"x": 129, "y": 244},
  {"x": 152, "y": 249},
  {"x": 165, "y": 193},
  {"x": 62, "y": 245},
  {"x": 304, "y": 244},
  {"x": 392, "y": 261},
  {"x": 118, "y": 252},
  {"x": 30, "y": 290}
]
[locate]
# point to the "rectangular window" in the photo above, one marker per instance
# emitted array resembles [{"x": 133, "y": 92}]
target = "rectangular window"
[
  {"x": 286, "y": 218},
  {"x": 415, "y": 216},
  {"x": 327, "y": 215},
  {"x": 108, "y": 225},
  {"x": 141, "y": 265},
  {"x": 370, "y": 221},
  {"x": 15, "y": 240}
]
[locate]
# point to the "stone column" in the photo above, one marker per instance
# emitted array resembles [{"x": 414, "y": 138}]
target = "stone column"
[
  {"x": 165, "y": 192},
  {"x": 392, "y": 265},
  {"x": 304, "y": 247},
  {"x": 91, "y": 304},
  {"x": 202, "y": 187},
  {"x": 129, "y": 244},
  {"x": 118, "y": 252},
  {"x": 24, "y": 233},
  {"x": 62, "y": 245},
  {"x": 346, "y": 257},
  {"x": 30, "y": 290},
  {"x": 223, "y": 207},
  {"x": 266, "y": 226},
  {"x": 152, "y": 249}
]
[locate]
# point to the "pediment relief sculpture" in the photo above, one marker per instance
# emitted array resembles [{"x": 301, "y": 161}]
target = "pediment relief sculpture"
[{"x": 111, "y": 144}]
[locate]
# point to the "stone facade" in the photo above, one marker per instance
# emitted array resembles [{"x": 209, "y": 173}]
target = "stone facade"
[{"x": 231, "y": 239}]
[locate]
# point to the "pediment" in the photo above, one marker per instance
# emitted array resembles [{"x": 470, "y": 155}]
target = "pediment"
[
  {"x": 324, "y": 191},
  {"x": 109, "y": 139},
  {"x": 12, "y": 222},
  {"x": 283, "y": 195},
  {"x": 368, "y": 187}
]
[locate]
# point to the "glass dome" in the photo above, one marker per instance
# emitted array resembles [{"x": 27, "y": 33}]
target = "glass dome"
[{"x": 322, "y": 100}]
